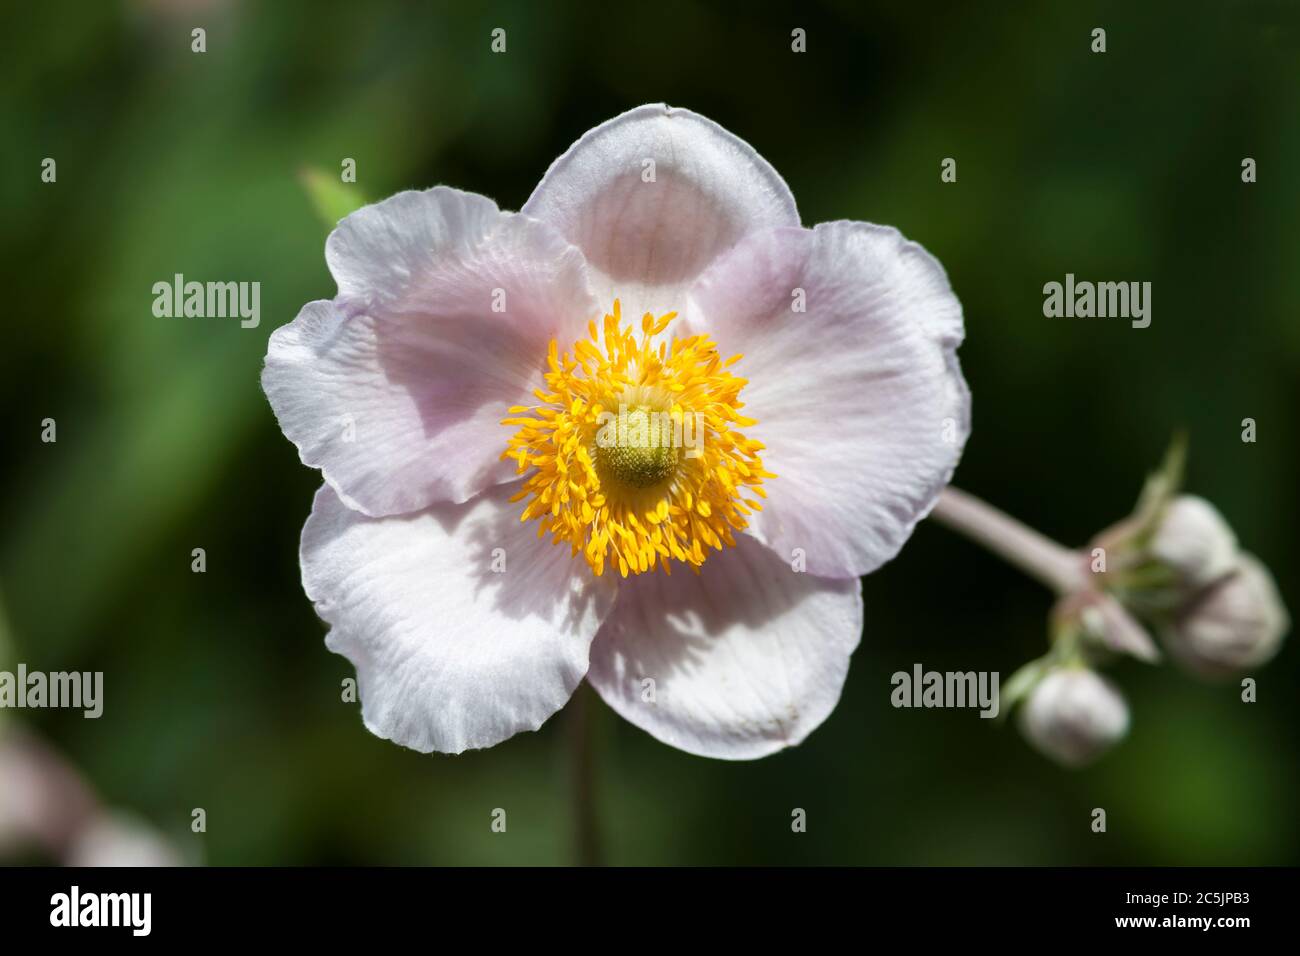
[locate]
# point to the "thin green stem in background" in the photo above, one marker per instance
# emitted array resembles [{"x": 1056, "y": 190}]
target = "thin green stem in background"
[{"x": 586, "y": 828}]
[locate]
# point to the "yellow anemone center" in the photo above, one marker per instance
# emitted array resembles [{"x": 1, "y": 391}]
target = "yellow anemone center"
[
  {"x": 639, "y": 447},
  {"x": 632, "y": 456}
]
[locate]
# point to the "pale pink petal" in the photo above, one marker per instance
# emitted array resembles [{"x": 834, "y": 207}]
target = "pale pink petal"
[
  {"x": 464, "y": 627},
  {"x": 743, "y": 659},
  {"x": 647, "y": 240},
  {"x": 859, "y": 397},
  {"x": 119, "y": 839},
  {"x": 404, "y": 253},
  {"x": 397, "y": 388}
]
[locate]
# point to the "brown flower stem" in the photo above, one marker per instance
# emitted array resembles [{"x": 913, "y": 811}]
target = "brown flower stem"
[
  {"x": 1062, "y": 570},
  {"x": 586, "y": 830}
]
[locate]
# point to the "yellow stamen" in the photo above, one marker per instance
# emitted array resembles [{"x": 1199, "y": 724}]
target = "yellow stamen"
[{"x": 632, "y": 454}]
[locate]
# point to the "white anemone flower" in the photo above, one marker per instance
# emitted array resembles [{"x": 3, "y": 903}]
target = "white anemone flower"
[{"x": 477, "y": 549}]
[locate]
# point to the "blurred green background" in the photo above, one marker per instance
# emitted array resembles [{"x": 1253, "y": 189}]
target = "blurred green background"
[{"x": 219, "y": 691}]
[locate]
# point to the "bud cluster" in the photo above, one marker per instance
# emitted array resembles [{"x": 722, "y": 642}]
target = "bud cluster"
[{"x": 1175, "y": 566}]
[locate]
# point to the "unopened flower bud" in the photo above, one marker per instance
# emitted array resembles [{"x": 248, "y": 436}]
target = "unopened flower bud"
[
  {"x": 1107, "y": 624},
  {"x": 1233, "y": 624},
  {"x": 1073, "y": 715},
  {"x": 1193, "y": 539}
]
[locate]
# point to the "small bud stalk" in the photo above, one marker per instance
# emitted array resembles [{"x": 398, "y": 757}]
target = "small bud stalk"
[{"x": 1174, "y": 564}]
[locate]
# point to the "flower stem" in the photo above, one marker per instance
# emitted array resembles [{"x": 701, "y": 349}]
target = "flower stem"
[
  {"x": 586, "y": 832},
  {"x": 1038, "y": 556}
]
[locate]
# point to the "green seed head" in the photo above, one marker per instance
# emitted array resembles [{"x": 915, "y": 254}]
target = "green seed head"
[{"x": 640, "y": 451}]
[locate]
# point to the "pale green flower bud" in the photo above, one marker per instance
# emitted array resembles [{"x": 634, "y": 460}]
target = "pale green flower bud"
[
  {"x": 1193, "y": 539},
  {"x": 1073, "y": 715},
  {"x": 1234, "y": 624}
]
